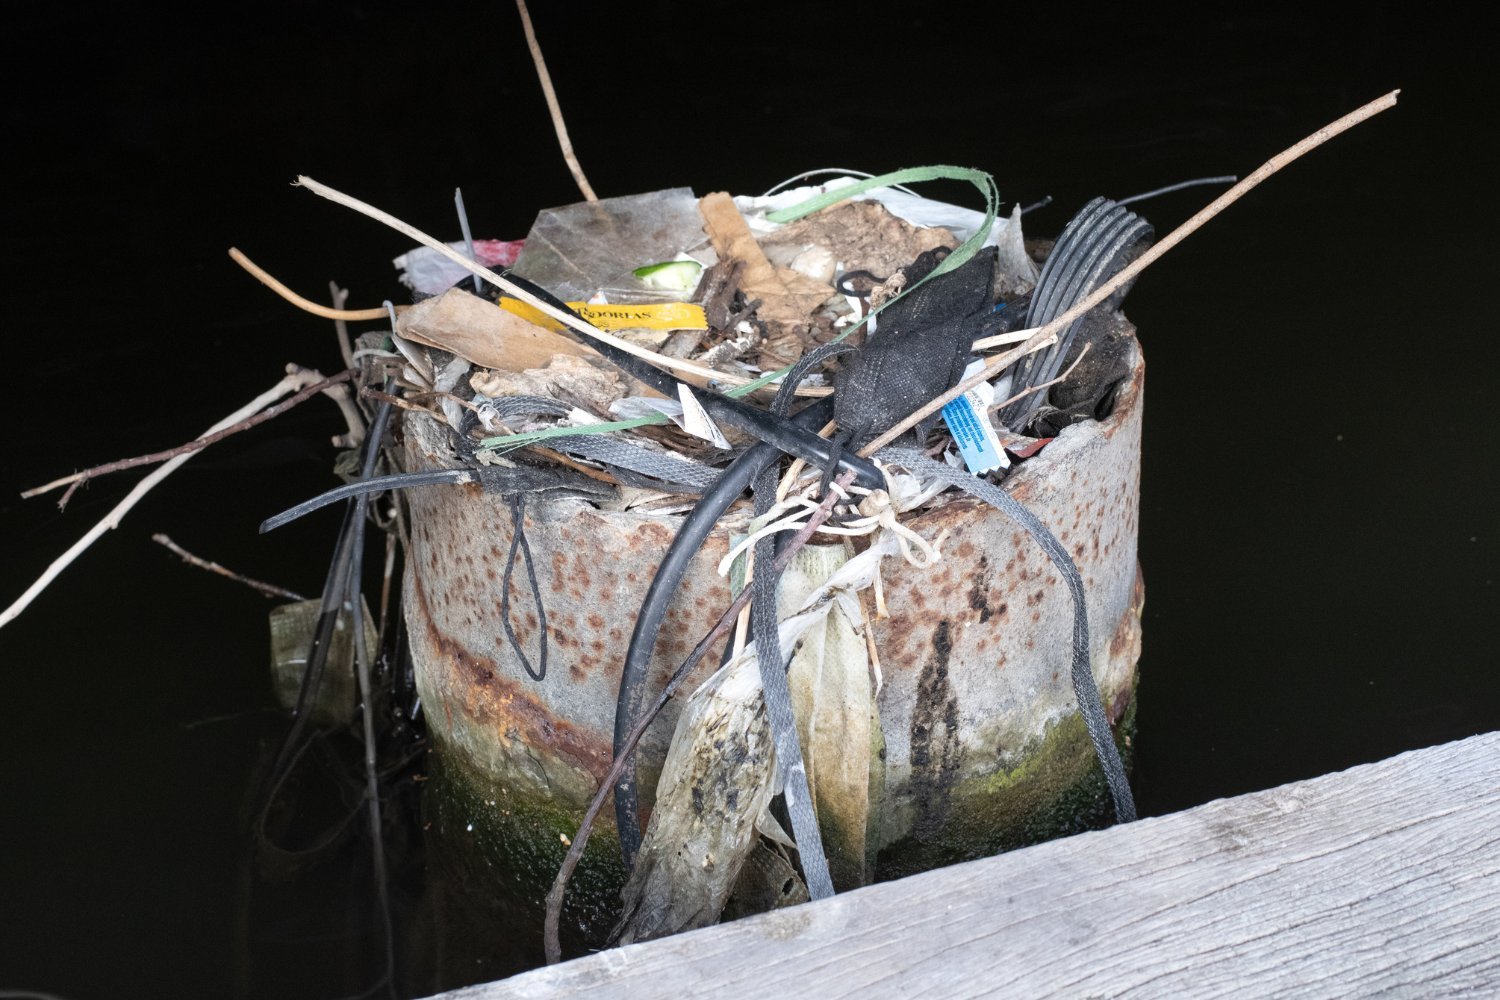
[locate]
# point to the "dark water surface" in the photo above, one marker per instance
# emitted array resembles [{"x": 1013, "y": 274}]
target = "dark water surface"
[{"x": 1319, "y": 517}]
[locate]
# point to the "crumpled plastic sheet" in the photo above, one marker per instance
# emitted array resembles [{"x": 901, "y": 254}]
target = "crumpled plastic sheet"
[{"x": 589, "y": 248}]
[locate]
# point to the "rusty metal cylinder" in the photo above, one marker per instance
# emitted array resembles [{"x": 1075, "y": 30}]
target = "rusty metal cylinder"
[{"x": 984, "y": 747}]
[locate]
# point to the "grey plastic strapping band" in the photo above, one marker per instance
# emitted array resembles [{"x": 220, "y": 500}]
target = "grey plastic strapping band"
[{"x": 778, "y": 698}]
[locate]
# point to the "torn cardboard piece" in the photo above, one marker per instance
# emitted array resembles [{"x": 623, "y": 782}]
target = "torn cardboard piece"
[
  {"x": 787, "y": 298},
  {"x": 464, "y": 324}
]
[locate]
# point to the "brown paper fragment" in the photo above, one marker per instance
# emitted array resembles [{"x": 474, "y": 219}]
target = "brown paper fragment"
[
  {"x": 464, "y": 324},
  {"x": 786, "y": 297},
  {"x": 863, "y": 235}
]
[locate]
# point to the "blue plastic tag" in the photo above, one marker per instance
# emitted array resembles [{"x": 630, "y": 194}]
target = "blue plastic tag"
[{"x": 969, "y": 423}]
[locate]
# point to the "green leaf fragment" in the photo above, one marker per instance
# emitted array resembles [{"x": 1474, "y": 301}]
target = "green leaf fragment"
[{"x": 670, "y": 275}]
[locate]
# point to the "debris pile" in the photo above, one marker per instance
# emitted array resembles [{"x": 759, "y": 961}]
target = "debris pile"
[
  {"x": 662, "y": 352},
  {"x": 726, "y": 299}
]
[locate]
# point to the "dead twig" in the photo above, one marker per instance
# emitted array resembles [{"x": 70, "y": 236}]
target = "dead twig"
[
  {"x": 341, "y": 325},
  {"x": 550, "y": 939},
  {"x": 269, "y": 589},
  {"x": 77, "y": 479},
  {"x": 306, "y": 305},
  {"x": 1042, "y": 385},
  {"x": 293, "y": 381},
  {"x": 1130, "y": 271},
  {"x": 552, "y": 105}
]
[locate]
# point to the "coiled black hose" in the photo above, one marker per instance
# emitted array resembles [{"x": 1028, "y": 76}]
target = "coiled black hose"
[{"x": 1095, "y": 245}]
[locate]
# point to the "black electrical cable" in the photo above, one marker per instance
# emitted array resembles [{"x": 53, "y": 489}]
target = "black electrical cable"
[
  {"x": 335, "y": 594},
  {"x": 520, "y": 479},
  {"x": 763, "y": 426},
  {"x": 377, "y": 484},
  {"x": 696, "y": 528}
]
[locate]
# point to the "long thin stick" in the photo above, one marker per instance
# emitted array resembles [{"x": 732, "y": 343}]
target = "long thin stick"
[
  {"x": 306, "y": 305},
  {"x": 269, "y": 589},
  {"x": 1142, "y": 262},
  {"x": 566, "y": 318},
  {"x": 552, "y": 105},
  {"x": 77, "y": 479},
  {"x": 291, "y": 383}
]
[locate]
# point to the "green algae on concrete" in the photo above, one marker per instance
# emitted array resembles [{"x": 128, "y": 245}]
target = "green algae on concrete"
[
  {"x": 513, "y": 840},
  {"x": 1052, "y": 787}
]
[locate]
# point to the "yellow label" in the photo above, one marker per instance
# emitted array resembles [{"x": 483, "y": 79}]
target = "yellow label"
[{"x": 649, "y": 316}]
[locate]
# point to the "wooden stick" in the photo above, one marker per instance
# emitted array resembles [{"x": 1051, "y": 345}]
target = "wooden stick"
[
  {"x": 1142, "y": 262},
  {"x": 291, "y": 383},
  {"x": 552, "y": 105},
  {"x": 77, "y": 479},
  {"x": 269, "y": 589},
  {"x": 340, "y": 327}
]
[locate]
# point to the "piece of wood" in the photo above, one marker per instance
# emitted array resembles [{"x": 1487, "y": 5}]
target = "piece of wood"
[{"x": 1383, "y": 879}]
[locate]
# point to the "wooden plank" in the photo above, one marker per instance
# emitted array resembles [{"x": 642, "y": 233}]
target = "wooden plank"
[{"x": 1383, "y": 879}]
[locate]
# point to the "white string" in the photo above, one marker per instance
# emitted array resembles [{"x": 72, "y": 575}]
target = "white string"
[{"x": 881, "y": 509}]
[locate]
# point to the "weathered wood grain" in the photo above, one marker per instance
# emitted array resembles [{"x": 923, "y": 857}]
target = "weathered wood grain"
[{"x": 1380, "y": 880}]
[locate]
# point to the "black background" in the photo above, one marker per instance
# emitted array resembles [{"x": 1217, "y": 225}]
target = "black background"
[{"x": 1318, "y": 529}]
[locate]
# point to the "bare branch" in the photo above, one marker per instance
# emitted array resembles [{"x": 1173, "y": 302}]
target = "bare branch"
[
  {"x": 77, "y": 479},
  {"x": 552, "y": 105},
  {"x": 306, "y": 305},
  {"x": 293, "y": 381},
  {"x": 269, "y": 589}
]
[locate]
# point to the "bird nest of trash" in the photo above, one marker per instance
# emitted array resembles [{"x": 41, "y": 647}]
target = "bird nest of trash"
[
  {"x": 801, "y": 382},
  {"x": 643, "y": 342},
  {"x": 820, "y": 362}
]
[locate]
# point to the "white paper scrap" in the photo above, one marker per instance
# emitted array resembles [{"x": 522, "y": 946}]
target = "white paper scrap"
[{"x": 696, "y": 421}]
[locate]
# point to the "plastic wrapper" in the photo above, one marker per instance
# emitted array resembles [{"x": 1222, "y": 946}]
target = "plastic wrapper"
[{"x": 591, "y": 248}]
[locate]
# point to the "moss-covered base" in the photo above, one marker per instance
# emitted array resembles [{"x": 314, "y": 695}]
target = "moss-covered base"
[
  {"x": 505, "y": 846},
  {"x": 1055, "y": 788},
  {"x": 509, "y": 845}
]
